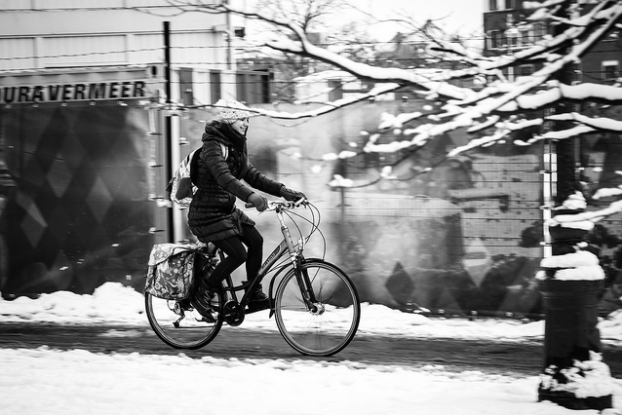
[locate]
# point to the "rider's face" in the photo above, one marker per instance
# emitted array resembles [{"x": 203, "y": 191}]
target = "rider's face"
[{"x": 241, "y": 125}]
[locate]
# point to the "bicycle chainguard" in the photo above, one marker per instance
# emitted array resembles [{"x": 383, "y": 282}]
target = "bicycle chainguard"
[{"x": 253, "y": 307}]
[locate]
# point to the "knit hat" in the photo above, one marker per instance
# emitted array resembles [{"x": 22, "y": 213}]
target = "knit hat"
[
  {"x": 230, "y": 110},
  {"x": 575, "y": 201}
]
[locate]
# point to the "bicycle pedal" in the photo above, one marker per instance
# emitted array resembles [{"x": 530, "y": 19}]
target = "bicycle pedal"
[{"x": 209, "y": 319}]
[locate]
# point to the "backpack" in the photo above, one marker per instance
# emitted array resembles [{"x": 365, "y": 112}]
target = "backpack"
[{"x": 181, "y": 187}]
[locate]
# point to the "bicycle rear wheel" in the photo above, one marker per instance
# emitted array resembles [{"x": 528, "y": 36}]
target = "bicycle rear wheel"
[
  {"x": 190, "y": 332},
  {"x": 329, "y": 324}
]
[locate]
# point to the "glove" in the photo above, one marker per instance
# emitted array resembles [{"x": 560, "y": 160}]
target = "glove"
[
  {"x": 291, "y": 195},
  {"x": 260, "y": 203}
]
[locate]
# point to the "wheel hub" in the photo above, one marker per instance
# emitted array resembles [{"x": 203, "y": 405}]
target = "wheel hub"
[{"x": 317, "y": 309}]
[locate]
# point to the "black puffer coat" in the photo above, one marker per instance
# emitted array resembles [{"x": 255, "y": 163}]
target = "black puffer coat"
[{"x": 212, "y": 215}]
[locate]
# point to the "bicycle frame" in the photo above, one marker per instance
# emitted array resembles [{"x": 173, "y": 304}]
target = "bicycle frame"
[
  {"x": 307, "y": 321},
  {"x": 287, "y": 245}
]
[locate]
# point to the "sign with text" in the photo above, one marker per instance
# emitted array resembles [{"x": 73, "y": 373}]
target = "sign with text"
[
  {"x": 64, "y": 86},
  {"x": 72, "y": 92}
]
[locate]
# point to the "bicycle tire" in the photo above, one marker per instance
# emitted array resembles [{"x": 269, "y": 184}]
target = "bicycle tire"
[
  {"x": 189, "y": 333},
  {"x": 322, "y": 332}
]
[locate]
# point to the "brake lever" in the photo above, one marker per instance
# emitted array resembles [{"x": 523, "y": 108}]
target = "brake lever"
[{"x": 302, "y": 201}]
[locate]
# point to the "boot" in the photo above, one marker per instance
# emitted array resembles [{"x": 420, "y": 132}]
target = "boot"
[
  {"x": 258, "y": 300},
  {"x": 201, "y": 300}
]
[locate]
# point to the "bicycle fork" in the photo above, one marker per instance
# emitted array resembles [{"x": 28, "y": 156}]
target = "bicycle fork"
[
  {"x": 306, "y": 289},
  {"x": 301, "y": 274}
]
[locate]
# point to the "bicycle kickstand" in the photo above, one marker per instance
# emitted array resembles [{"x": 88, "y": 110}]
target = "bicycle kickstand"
[{"x": 180, "y": 312}]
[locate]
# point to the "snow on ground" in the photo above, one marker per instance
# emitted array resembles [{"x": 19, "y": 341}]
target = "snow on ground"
[{"x": 46, "y": 381}]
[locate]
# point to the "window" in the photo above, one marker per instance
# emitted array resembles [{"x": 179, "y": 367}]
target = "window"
[
  {"x": 501, "y": 40},
  {"x": 493, "y": 39},
  {"x": 610, "y": 70},
  {"x": 539, "y": 29},
  {"x": 512, "y": 34},
  {"x": 215, "y": 86},
  {"x": 577, "y": 73},
  {"x": 512, "y": 41},
  {"x": 496, "y": 39},
  {"x": 335, "y": 88},
  {"x": 186, "y": 86},
  {"x": 509, "y": 4},
  {"x": 253, "y": 87},
  {"x": 525, "y": 70},
  {"x": 526, "y": 38},
  {"x": 492, "y": 5}
]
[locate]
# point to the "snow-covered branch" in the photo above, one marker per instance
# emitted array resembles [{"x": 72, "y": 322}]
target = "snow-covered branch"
[
  {"x": 502, "y": 97},
  {"x": 333, "y": 106},
  {"x": 364, "y": 71},
  {"x": 494, "y": 106},
  {"x": 534, "y": 5},
  {"x": 579, "y": 26},
  {"x": 563, "y": 134},
  {"x": 604, "y": 124}
]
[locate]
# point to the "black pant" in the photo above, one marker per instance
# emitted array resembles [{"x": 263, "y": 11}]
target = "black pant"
[{"x": 237, "y": 254}]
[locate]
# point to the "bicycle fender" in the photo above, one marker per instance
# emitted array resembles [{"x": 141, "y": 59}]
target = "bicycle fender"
[
  {"x": 271, "y": 287},
  {"x": 290, "y": 267}
]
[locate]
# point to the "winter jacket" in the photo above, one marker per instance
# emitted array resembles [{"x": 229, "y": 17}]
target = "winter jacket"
[{"x": 212, "y": 215}]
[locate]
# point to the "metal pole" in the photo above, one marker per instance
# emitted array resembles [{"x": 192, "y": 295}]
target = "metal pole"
[
  {"x": 229, "y": 33},
  {"x": 168, "y": 128},
  {"x": 167, "y": 62}
]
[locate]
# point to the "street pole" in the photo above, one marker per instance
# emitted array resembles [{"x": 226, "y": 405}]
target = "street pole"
[
  {"x": 229, "y": 33},
  {"x": 168, "y": 128}
]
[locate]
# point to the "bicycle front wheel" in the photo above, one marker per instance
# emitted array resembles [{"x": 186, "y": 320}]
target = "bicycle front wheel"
[
  {"x": 326, "y": 324},
  {"x": 179, "y": 325}
]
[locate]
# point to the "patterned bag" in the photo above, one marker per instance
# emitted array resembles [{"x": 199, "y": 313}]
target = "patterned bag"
[{"x": 171, "y": 271}]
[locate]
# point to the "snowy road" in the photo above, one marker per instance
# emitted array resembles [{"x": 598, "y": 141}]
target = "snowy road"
[
  {"x": 95, "y": 354},
  {"x": 510, "y": 358}
]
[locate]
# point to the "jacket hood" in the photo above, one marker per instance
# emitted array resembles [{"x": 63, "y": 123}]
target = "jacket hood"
[{"x": 224, "y": 133}]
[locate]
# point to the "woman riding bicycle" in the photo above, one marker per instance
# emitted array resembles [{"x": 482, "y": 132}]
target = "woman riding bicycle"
[{"x": 213, "y": 216}]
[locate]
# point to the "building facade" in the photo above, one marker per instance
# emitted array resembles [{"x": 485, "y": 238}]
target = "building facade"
[
  {"x": 91, "y": 117},
  {"x": 62, "y": 35},
  {"x": 507, "y": 32}
]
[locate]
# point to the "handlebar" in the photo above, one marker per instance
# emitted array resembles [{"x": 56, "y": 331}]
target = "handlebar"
[{"x": 274, "y": 205}]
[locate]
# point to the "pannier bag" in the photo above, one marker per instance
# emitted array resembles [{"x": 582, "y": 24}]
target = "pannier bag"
[{"x": 171, "y": 271}]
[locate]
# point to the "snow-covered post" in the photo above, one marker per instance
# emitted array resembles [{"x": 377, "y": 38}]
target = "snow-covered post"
[
  {"x": 570, "y": 281},
  {"x": 574, "y": 374}
]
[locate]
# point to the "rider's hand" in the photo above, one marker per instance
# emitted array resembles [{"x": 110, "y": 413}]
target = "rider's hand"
[
  {"x": 260, "y": 203},
  {"x": 291, "y": 195}
]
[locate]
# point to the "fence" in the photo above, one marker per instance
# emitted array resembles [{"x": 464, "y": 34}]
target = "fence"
[
  {"x": 459, "y": 234},
  {"x": 454, "y": 235}
]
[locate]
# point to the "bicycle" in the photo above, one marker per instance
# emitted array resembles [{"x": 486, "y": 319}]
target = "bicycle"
[{"x": 316, "y": 305}]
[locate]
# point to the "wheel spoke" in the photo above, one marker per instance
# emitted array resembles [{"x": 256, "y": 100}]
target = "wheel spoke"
[
  {"x": 180, "y": 326},
  {"x": 324, "y": 331}
]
